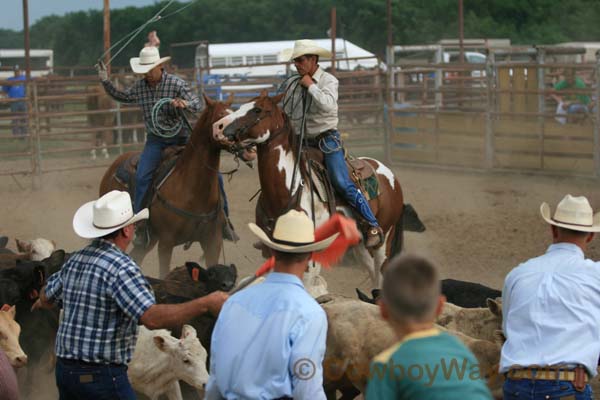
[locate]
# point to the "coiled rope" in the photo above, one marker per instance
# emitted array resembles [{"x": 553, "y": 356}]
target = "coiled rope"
[{"x": 160, "y": 129}]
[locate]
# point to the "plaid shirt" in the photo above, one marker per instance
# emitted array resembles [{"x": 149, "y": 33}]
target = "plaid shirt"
[
  {"x": 146, "y": 96},
  {"x": 103, "y": 294}
]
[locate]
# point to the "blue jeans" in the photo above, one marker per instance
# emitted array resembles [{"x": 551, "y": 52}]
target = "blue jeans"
[
  {"x": 19, "y": 126},
  {"x": 333, "y": 154},
  {"x": 577, "y": 108},
  {"x": 527, "y": 389},
  {"x": 79, "y": 381},
  {"x": 149, "y": 161}
]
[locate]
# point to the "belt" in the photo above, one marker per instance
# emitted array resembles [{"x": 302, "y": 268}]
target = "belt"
[
  {"x": 549, "y": 373},
  {"x": 314, "y": 141},
  {"x": 72, "y": 362}
]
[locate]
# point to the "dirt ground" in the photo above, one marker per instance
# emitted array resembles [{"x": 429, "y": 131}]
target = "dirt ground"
[{"x": 479, "y": 225}]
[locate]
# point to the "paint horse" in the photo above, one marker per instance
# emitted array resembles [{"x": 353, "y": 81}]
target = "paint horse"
[
  {"x": 187, "y": 206},
  {"x": 262, "y": 123}
]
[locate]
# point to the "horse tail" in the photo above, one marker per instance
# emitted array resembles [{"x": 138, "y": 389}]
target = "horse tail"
[
  {"x": 398, "y": 239},
  {"x": 412, "y": 222}
]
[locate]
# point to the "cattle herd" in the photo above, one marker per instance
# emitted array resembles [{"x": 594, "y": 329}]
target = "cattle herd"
[{"x": 175, "y": 363}]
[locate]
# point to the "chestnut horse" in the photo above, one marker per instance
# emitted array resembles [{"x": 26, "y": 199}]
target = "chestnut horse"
[
  {"x": 192, "y": 207},
  {"x": 262, "y": 123}
]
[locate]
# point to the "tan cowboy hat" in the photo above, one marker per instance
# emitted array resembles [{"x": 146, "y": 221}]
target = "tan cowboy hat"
[
  {"x": 148, "y": 59},
  {"x": 306, "y": 46},
  {"x": 294, "y": 233},
  {"x": 109, "y": 213},
  {"x": 573, "y": 213}
]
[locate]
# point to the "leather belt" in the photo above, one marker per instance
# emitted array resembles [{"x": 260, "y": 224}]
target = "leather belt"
[
  {"x": 73, "y": 362},
  {"x": 314, "y": 141},
  {"x": 578, "y": 376}
]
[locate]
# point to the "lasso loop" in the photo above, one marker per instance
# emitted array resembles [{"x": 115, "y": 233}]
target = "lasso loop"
[{"x": 158, "y": 128}]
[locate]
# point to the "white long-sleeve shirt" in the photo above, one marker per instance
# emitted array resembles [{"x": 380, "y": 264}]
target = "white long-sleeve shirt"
[{"x": 551, "y": 311}]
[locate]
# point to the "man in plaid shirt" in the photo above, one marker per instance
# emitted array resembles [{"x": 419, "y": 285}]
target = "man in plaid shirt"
[
  {"x": 157, "y": 84},
  {"x": 104, "y": 297}
]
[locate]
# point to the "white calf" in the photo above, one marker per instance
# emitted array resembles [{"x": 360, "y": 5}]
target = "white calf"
[
  {"x": 160, "y": 361},
  {"x": 9, "y": 337},
  {"x": 37, "y": 248}
]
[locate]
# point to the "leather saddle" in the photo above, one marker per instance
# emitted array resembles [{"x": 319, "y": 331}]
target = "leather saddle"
[
  {"x": 361, "y": 172},
  {"x": 125, "y": 173}
]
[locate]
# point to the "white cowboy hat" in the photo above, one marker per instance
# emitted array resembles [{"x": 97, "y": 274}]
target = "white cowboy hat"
[
  {"x": 109, "y": 213},
  {"x": 306, "y": 46},
  {"x": 148, "y": 59},
  {"x": 294, "y": 233},
  {"x": 573, "y": 213}
]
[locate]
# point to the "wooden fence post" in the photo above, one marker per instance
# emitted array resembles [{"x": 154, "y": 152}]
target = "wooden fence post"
[
  {"x": 489, "y": 120},
  {"x": 541, "y": 73},
  {"x": 38, "y": 144},
  {"x": 388, "y": 106},
  {"x": 596, "y": 119}
]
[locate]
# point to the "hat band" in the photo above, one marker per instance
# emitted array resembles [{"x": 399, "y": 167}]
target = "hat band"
[
  {"x": 288, "y": 243},
  {"x": 109, "y": 227},
  {"x": 571, "y": 223}
]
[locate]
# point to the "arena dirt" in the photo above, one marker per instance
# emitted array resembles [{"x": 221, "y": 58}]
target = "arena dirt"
[{"x": 479, "y": 225}]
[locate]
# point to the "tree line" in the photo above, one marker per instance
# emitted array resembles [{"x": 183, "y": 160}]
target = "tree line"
[{"x": 76, "y": 37}]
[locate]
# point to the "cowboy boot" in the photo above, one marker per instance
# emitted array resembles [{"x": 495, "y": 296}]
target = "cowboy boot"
[
  {"x": 229, "y": 231},
  {"x": 142, "y": 234},
  {"x": 374, "y": 237}
]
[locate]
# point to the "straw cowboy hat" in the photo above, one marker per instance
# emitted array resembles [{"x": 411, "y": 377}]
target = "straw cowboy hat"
[
  {"x": 109, "y": 213},
  {"x": 294, "y": 233},
  {"x": 148, "y": 59},
  {"x": 573, "y": 213},
  {"x": 306, "y": 46}
]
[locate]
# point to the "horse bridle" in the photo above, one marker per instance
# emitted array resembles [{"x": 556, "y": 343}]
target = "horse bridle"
[{"x": 239, "y": 147}]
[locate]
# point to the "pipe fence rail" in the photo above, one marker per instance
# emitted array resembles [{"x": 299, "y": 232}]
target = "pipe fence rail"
[{"x": 501, "y": 115}]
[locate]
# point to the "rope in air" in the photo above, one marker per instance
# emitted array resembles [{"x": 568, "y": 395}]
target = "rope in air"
[
  {"x": 158, "y": 128},
  {"x": 131, "y": 35}
]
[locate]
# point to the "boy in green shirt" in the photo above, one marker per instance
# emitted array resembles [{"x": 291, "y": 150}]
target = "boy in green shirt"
[{"x": 426, "y": 363}]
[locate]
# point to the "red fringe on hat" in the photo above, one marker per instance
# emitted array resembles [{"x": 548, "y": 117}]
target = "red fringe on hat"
[{"x": 348, "y": 236}]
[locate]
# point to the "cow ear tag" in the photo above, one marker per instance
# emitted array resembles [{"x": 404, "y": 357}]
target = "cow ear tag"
[{"x": 195, "y": 274}]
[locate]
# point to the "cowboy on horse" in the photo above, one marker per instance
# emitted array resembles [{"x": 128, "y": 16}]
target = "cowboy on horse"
[
  {"x": 164, "y": 124},
  {"x": 320, "y": 119}
]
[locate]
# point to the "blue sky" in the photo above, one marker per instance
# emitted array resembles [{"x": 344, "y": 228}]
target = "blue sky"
[{"x": 11, "y": 16}]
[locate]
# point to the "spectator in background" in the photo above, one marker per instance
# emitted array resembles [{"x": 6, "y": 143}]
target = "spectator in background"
[
  {"x": 570, "y": 103},
  {"x": 18, "y": 108}
]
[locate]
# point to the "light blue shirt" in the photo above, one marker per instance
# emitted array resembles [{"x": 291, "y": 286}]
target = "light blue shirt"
[
  {"x": 269, "y": 342},
  {"x": 551, "y": 311}
]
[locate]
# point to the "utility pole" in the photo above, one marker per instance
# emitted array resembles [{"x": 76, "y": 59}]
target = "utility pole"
[
  {"x": 107, "y": 33},
  {"x": 333, "y": 38},
  {"x": 26, "y": 34},
  {"x": 390, "y": 41},
  {"x": 461, "y": 33}
]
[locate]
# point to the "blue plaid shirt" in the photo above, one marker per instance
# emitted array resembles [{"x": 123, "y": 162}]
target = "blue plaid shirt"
[
  {"x": 103, "y": 294},
  {"x": 146, "y": 96}
]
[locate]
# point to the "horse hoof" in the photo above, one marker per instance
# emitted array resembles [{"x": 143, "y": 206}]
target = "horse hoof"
[{"x": 93, "y": 154}]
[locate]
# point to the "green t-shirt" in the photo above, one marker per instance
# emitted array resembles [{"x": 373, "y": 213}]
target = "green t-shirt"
[
  {"x": 429, "y": 365},
  {"x": 579, "y": 84}
]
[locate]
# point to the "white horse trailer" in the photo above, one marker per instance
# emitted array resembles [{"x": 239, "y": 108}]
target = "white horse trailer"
[
  {"x": 245, "y": 59},
  {"x": 41, "y": 61}
]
